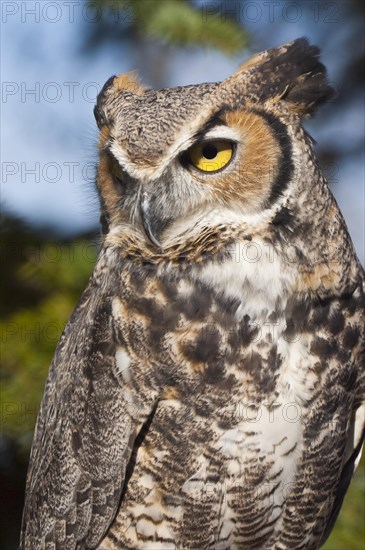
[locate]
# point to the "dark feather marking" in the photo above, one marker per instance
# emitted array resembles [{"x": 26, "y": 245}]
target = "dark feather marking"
[
  {"x": 323, "y": 348},
  {"x": 346, "y": 475},
  {"x": 351, "y": 337},
  {"x": 286, "y": 167},
  {"x": 336, "y": 322},
  {"x": 214, "y": 121},
  {"x": 138, "y": 442},
  {"x": 297, "y": 75}
]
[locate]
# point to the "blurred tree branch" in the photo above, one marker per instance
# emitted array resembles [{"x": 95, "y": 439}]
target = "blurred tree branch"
[{"x": 174, "y": 22}]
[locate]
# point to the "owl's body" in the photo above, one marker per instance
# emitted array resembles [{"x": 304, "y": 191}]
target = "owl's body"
[{"x": 208, "y": 390}]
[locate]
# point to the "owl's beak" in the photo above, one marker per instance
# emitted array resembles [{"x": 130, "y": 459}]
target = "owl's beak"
[{"x": 151, "y": 223}]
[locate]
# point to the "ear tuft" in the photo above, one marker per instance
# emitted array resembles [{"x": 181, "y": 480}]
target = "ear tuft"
[
  {"x": 129, "y": 82},
  {"x": 292, "y": 73},
  {"x": 99, "y": 111},
  {"x": 307, "y": 85},
  {"x": 114, "y": 86}
]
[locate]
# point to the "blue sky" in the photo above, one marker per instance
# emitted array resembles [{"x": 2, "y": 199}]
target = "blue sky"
[{"x": 49, "y": 136}]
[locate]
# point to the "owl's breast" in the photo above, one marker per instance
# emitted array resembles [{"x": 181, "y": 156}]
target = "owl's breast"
[
  {"x": 223, "y": 446},
  {"x": 221, "y": 326},
  {"x": 237, "y": 406}
]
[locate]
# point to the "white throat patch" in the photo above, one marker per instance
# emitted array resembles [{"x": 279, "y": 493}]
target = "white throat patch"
[{"x": 255, "y": 275}]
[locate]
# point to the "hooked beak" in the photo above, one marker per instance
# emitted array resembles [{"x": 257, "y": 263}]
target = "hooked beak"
[{"x": 151, "y": 224}]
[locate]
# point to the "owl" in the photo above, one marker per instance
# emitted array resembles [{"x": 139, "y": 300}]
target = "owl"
[{"x": 208, "y": 390}]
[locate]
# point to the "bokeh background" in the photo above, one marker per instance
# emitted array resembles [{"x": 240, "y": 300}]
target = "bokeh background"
[{"x": 55, "y": 58}]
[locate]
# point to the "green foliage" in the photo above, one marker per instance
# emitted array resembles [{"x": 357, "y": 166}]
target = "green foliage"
[
  {"x": 179, "y": 22},
  {"x": 51, "y": 276}
]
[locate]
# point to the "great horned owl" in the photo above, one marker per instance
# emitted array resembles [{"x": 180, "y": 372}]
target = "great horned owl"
[{"x": 208, "y": 389}]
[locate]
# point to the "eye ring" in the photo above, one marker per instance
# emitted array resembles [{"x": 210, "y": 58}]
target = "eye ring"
[{"x": 210, "y": 156}]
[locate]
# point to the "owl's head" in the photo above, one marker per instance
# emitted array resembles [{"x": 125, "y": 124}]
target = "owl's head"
[{"x": 179, "y": 161}]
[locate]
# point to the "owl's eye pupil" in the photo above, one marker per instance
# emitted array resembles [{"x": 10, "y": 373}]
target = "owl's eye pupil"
[
  {"x": 209, "y": 151},
  {"x": 210, "y": 156}
]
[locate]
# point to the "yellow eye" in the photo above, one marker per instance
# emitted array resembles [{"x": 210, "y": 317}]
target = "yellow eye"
[{"x": 210, "y": 156}]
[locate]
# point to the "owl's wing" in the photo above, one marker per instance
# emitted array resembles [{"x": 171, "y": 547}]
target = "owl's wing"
[
  {"x": 356, "y": 427},
  {"x": 84, "y": 437},
  {"x": 352, "y": 459}
]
